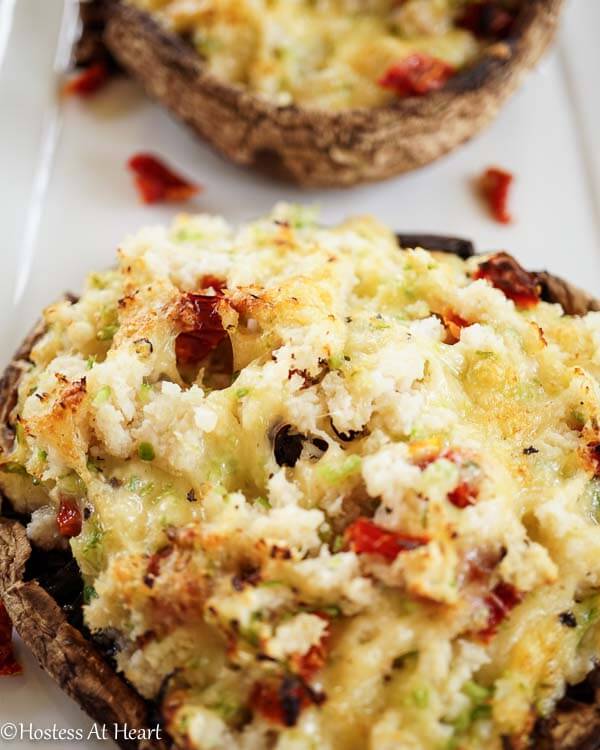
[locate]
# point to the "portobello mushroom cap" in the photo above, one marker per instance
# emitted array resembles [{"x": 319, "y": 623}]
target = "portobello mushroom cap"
[
  {"x": 316, "y": 147},
  {"x": 82, "y": 668}
]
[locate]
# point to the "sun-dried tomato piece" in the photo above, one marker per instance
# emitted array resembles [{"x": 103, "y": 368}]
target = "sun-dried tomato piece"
[
  {"x": 8, "y": 662},
  {"x": 157, "y": 183},
  {"x": 69, "y": 518},
  {"x": 308, "y": 664},
  {"x": 467, "y": 491},
  {"x": 454, "y": 325},
  {"x": 417, "y": 75},
  {"x": 488, "y": 20},
  {"x": 365, "y": 537},
  {"x": 593, "y": 451},
  {"x": 282, "y": 702},
  {"x": 495, "y": 185},
  {"x": 88, "y": 81},
  {"x": 213, "y": 282},
  {"x": 503, "y": 272},
  {"x": 503, "y": 598},
  {"x": 463, "y": 495},
  {"x": 202, "y": 328}
]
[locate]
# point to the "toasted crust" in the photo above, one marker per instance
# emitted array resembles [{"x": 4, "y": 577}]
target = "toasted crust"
[
  {"x": 80, "y": 669},
  {"x": 317, "y": 147},
  {"x": 74, "y": 662}
]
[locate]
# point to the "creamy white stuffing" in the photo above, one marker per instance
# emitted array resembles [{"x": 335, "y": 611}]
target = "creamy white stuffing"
[{"x": 319, "y": 489}]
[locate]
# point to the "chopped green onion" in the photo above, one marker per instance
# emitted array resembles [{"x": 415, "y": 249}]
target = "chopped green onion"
[
  {"x": 90, "y": 362},
  {"x": 107, "y": 333},
  {"x": 335, "y": 362},
  {"x": 89, "y": 593},
  {"x": 484, "y": 711},
  {"x": 477, "y": 693},
  {"x": 20, "y": 434},
  {"x": 264, "y": 502},
  {"x": 420, "y": 697},
  {"x": 72, "y": 484},
  {"x": 333, "y": 474},
  {"x": 102, "y": 395},
  {"x": 338, "y": 544},
  {"x": 241, "y": 392},
  {"x": 144, "y": 392},
  {"x": 146, "y": 452}
]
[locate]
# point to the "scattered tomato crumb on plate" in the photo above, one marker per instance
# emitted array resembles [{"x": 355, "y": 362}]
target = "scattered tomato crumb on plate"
[
  {"x": 158, "y": 183},
  {"x": 494, "y": 185},
  {"x": 88, "y": 81}
]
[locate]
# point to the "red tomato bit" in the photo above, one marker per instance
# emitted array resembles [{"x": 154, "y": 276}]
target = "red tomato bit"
[
  {"x": 463, "y": 495},
  {"x": 8, "y": 663},
  {"x": 467, "y": 491},
  {"x": 503, "y": 598},
  {"x": 88, "y": 81},
  {"x": 282, "y": 703},
  {"x": 69, "y": 518},
  {"x": 202, "y": 328},
  {"x": 454, "y": 325},
  {"x": 365, "y": 537},
  {"x": 308, "y": 664},
  {"x": 594, "y": 456},
  {"x": 417, "y": 75},
  {"x": 157, "y": 183},
  {"x": 504, "y": 273},
  {"x": 495, "y": 187},
  {"x": 488, "y": 20},
  {"x": 213, "y": 282}
]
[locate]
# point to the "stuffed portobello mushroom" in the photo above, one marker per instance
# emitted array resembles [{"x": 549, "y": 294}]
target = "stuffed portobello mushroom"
[
  {"x": 288, "y": 487},
  {"x": 333, "y": 92}
]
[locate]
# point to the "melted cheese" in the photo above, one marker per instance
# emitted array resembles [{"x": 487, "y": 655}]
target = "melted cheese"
[
  {"x": 216, "y": 561},
  {"x": 328, "y": 54}
]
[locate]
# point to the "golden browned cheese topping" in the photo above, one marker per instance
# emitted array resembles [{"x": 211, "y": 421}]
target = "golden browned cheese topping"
[
  {"x": 330, "y": 54},
  {"x": 323, "y": 493}
]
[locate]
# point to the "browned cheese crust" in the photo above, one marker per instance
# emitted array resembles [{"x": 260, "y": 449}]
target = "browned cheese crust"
[{"x": 79, "y": 667}]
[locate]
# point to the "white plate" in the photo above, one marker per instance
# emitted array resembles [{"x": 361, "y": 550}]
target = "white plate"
[{"x": 67, "y": 200}]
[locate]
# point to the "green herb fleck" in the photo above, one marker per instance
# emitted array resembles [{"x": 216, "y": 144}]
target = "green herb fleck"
[
  {"x": 20, "y": 434},
  {"x": 107, "y": 333},
  {"x": 264, "y": 502},
  {"x": 144, "y": 392},
  {"x": 420, "y": 697},
  {"x": 102, "y": 396},
  {"x": 335, "y": 362},
  {"x": 146, "y": 452},
  {"x": 477, "y": 693},
  {"x": 338, "y": 544},
  {"x": 334, "y": 474},
  {"x": 89, "y": 593}
]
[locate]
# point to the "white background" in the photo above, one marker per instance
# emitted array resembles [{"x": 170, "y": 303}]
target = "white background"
[{"x": 66, "y": 199}]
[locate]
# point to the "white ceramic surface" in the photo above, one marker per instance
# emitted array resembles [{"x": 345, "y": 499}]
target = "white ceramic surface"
[{"x": 66, "y": 200}]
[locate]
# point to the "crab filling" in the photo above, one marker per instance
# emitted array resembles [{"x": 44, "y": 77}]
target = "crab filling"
[
  {"x": 321, "y": 492},
  {"x": 336, "y": 54}
]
